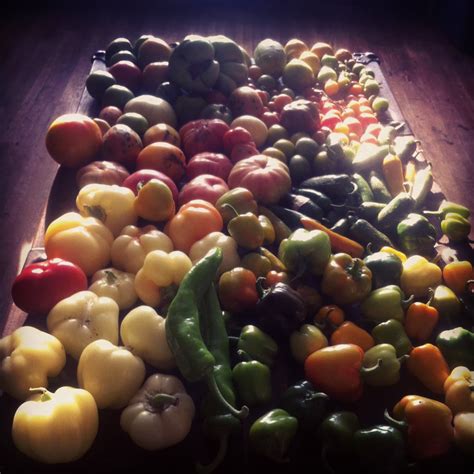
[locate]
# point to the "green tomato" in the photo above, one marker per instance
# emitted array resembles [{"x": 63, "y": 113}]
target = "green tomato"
[{"x": 286, "y": 146}]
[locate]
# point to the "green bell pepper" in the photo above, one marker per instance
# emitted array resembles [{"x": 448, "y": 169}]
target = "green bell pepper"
[
  {"x": 386, "y": 268},
  {"x": 380, "y": 449},
  {"x": 271, "y": 434},
  {"x": 257, "y": 344},
  {"x": 457, "y": 347},
  {"x": 385, "y": 303},
  {"x": 446, "y": 302},
  {"x": 416, "y": 236},
  {"x": 447, "y": 207},
  {"x": 392, "y": 332},
  {"x": 303, "y": 402},
  {"x": 380, "y": 366},
  {"x": 456, "y": 227},
  {"x": 305, "y": 250}
]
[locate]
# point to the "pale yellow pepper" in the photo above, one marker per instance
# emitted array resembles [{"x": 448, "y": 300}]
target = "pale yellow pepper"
[
  {"x": 28, "y": 357},
  {"x": 83, "y": 318},
  {"x": 112, "y": 204},
  {"x": 395, "y": 252},
  {"x": 110, "y": 373},
  {"x": 458, "y": 390},
  {"x": 419, "y": 275},
  {"x": 56, "y": 427},
  {"x": 84, "y": 241},
  {"x": 134, "y": 243},
  {"x": 120, "y": 286},
  {"x": 305, "y": 341},
  {"x": 464, "y": 431}
]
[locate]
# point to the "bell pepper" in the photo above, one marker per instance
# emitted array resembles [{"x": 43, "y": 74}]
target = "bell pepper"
[
  {"x": 230, "y": 257},
  {"x": 420, "y": 320},
  {"x": 253, "y": 381},
  {"x": 419, "y": 275},
  {"x": 350, "y": 333},
  {"x": 258, "y": 264},
  {"x": 160, "y": 275},
  {"x": 303, "y": 402},
  {"x": 381, "y": 366},
  {"x": 384, "y": 304},
  {"x": 346, "y": 280},
  {"x": 337, "y": 433},
  {"x": 329, "y": 314},
  {"x": 268, "y": 230},
  {"x": 83, "y": 318},
  {"x": 306, "y": 340},
  {"x": 305, "y": 250},
  {"x": 416, "y": 236},
  {"x": 428, "y": 421},
  {"x": 456, "y": 227},
  {"x": 111, "y": 374},
  {"x": 271, "y": 434},
  {"x": 143, "y": 331},
  {"x": 428, "y": 365},
  {"x": 28, "y": 357},
  {"x": 458, "y": 390},
  {"x": 246, "y": 230},
  {"x": 393, "y": 251},
  {"x": 154, "y": 201},
  {"x": 380, "y": 449},
  {"x": 85, "y": 241},
  {"x": 120, "y": 286},
  {"x": 238, "y": 290},
  {"x": 386, "y": 268},
  {"x": 280, "y": 310},
  {"x": 241, "y": 199},
  {"x": 336, "y": 371},
  {"x": 446, "y": 302},
  {"x": 457, "y": 346},
  {"x": 392, "y": 332},
  {"x": 193, "y": 221},
  {"x": 310, "y": 296},
  {"x": 257, "y": 344},
  {"x": 134, "y": 243},
  {"x": 457, "y": 274},
  {"x": 447, "y": 207},
  {"x": 111, "y": 204},
  {"x": 160, "y": 414},
  {"x": 57, "y": 427},
  {"x": 464, "y": 432}
]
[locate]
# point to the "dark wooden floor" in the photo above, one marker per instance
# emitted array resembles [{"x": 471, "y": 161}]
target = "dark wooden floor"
[{"x": 44, "y": 59}]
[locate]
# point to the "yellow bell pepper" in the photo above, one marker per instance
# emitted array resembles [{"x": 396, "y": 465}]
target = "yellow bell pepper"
[
  {"x": 134, "y": 243},
  {"x": 395, "y": 252},
  {"x": 120, "y": 286},
  {"x": 56, "y": 427},
  {"x": 464, "y": 431},
  {"x": 111, "y": 204},
  {"x": 161, "y": 271},
  {"x": 84, "y": 241},
  {"x": 459, "y": 390},
  {"x": 419, "y": 275},
  {"x": 28, "y": 357},
  {"x": 83, "y": 318},
  {"x": 155, "y": 202},
  {"x": 230, "y": 257},
  {"x": 160, "y": 414},
  {"x": 110, "y": 373},
  {"x": 143, "y": 331}
]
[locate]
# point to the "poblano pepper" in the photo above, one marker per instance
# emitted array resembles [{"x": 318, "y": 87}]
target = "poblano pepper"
[
  {"x": 385, "y": 303},
  {"x": 386, "y": 268},
  {"x": 392, "y": 332},
  {"x": 257, "y": 344},
  {"x": 381, "y": 366},
  {"x": 416, "y": 236},
  {"x": 457, "y": 346}
]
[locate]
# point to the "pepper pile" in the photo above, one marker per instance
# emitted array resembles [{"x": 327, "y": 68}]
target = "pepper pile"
[{"x": 281, "y": 228}]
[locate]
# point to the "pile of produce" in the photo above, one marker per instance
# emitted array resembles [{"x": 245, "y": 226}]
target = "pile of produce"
[{"x": 252, "y": 255}]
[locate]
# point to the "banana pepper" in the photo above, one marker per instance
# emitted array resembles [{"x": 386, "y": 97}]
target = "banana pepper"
[
  {"x": 111, "y": 204},
  {"x": 85, "y": 241},
  {"x": 459, "y": 390},
  {"x": 134, "y": 243},
  {"x": 83, "y": 318},
  {"x": 116, "y": 285},
  {"x": 28, "y": 357}
]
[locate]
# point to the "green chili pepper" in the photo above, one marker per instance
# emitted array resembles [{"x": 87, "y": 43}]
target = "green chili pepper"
[
  {"x": 446, "y": 302},
  {"x": 398, "y": 208},
  {"x": 456, "y": 227},
  {"x": 457, "y": 346},
  {"x": 381, "y": 366},
  {"x": 271, "y": 434},
  {"x": 379, "y": 189},
  {"x": 258, "y": 344},
  {"x": 369, "y": 210},
  {"x": 386, "y": 268},
  {"x": 422, "y": 186},
  {"x": 302, "y": 401},
  {"x": 385, "y": 303},
  {"x": 253, "y": 381},
  {"x": 363, "y": 187},
  {"x": 365, "y": 233},
  {"x": 392, "y": 332},
  {"x": 416, "y": 235}
]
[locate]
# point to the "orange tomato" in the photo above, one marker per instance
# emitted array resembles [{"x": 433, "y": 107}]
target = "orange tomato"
[
  {"x": 331, "y": 87},
  {"x": 164, "y": 157},
  {"x": 161, "y": 132},
  {"x": 73, "y": 140},
  {"x": 356, "y": 89}
]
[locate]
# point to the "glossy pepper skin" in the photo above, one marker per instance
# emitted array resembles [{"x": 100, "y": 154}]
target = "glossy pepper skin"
[
  {"x": 386, "y": 268},
  {"x": 419, "y": 275},
  {"x": 458, "y": 390},
  {"x": 237, "y": 290},
  {"x": 271, "y": 434},
  {"x": 456, "y": 227},
  {"x": 347, "y": 280},
  {"x": 305, "y": 250},
  {"x": 246, "y": 230},
  {"x": 392, "y": 332},
  {"x": 257, "y": 344},
  {"x": 337, "y": 433},
  {"x": 416, "y": 235},
  {"x": 381, "y": 366},
  {"x": 350, "y": 333},
  {"x": 430, "y": 432},
  {"x": 420, "y": 321},
  {"x": 457, "y": 274},
  {"x": 446, "y": 302},
  {"x": 384, "y": 304},
  {"x": 241, "y": 199},
  {"x": 303, "y": 402},
  {"x": 457, "y": 346}
]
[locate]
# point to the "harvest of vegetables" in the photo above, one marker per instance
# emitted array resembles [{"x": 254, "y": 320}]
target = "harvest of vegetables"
[{"x": 254, "y": 266}]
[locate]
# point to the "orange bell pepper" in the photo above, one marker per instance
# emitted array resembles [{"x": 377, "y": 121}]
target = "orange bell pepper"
[
  {"x": 329, "y": 314},
  {"x": 336, "y": 371},
  {"x": 420, "y": 320},
  {"x": 457, "y": 274},
  {"x": 194, "y": 220},
  {"x": 428, "y": 365},
  {"x": 430, "y": 432},
  {"x": 350, "y": 333}
]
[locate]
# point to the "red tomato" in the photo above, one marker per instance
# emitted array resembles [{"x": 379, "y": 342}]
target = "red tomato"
[
  {"x": 354, "y": 125},
  {"x": 241, "y": 151},
  {"x": 270, "y": 118},
  {"x": 235, "y": 136},
  {"x": 366, "y": 119},
  {"x": 264, "y": 95},
  {"x": 209, "y": 163},
  {"x": 41, "y": 285},
  {"x": 206, "y": 187},
  {"x": 202, "y": 135},
  {"x": 330, "y": 120},
  {"x": 281, "y": 100}
]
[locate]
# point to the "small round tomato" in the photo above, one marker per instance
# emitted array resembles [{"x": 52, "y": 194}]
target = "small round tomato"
[
  {"x": 235, "y": 136},
  {"x": 354, "y": 125},
  {"x": 270, "y": 118},
  {"x": 366, "y": 119},
  {"x": 281, "y": 100},
  {"x": 356, "y": 89},
  {"x": 330, "y": 120}
]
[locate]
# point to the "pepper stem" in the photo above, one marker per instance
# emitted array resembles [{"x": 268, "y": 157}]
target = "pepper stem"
[
  {"x": 368, "y": 370},
  {"x": 110, "y": 276},
  {"x": 431, "y": 296},
  {"x": 403, "y": 358},
  {"x": 243, "y": 355},
  {"x": 46, "y": 395},
  {"x": 96, "y": 211},
  {"x": 230, "y": 206},
  {"x": 402, "y": 425},
  {"x": 214, "y": 464},
  {"x": 161, "y": 401},
  {"x": 214, "y": 389},
  {"x": 408, "y": 301}
]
